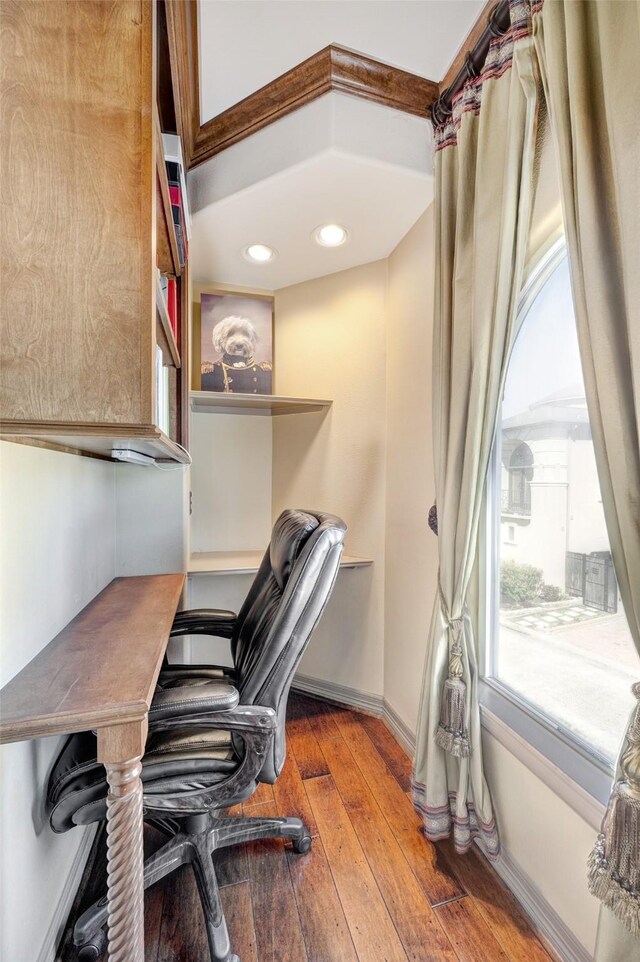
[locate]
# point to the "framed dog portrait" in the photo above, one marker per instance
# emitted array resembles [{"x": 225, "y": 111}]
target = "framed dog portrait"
[{"x": 236, "y": 343}]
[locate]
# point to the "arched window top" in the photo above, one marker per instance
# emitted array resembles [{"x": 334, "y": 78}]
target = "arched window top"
[{"x": 522, "y": 457}]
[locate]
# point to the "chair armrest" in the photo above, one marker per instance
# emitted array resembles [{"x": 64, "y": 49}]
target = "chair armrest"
[
  {"x": 254, "y": 726},
  {"x": 237, "y": 718},
  {"x": 179, "y": 704},
  {"x": 204, "y": 621}
]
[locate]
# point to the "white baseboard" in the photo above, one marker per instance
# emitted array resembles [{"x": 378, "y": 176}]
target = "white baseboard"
[
  {"x": 550, "y": 927},
  {"x": 399, "y": 728},
  {"x": 63, "y": 908},
  {"x": 543, "y": 917},
  {"x": 364, "y": 700}
]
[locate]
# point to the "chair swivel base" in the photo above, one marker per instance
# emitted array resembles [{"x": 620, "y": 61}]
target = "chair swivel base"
[{"x": 193, "y": 843}]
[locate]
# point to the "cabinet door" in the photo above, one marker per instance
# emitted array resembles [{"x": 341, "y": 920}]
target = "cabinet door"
[{"x": 78, "y": 192}]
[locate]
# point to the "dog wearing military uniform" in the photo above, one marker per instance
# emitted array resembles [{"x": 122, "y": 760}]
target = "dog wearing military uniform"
[{"x": 237, "y": 372}]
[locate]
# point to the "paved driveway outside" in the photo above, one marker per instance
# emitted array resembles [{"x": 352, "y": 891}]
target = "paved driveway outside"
[{"x": 580, "y": 675}]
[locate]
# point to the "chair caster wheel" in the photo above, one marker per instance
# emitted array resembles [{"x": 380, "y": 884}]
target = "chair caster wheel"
[
  {"x": 302, "y": 845},
  {"x": 92, "y": 951}
]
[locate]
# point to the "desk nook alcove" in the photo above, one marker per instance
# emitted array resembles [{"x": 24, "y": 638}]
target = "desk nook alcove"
[{"x": 179, "y": 175}]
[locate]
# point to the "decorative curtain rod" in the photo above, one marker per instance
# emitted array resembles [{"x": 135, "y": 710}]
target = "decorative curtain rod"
[{"x": 497, "y": 25}]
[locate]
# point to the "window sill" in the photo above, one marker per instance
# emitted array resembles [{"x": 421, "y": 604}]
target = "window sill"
[{"x": 581, "y": 780}]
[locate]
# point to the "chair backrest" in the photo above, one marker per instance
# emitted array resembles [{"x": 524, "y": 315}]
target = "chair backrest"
[{"x": 286, "y": 599}]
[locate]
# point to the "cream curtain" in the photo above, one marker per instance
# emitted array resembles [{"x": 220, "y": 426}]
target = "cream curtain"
[
  {"x": 484, "y": 168},
  {"x": 589, "y": 58}
]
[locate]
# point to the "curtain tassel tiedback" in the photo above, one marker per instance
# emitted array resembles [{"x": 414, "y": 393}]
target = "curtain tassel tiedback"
[
  {"x": 452, "y": 735},
  {"x": 614, "y": 864}
]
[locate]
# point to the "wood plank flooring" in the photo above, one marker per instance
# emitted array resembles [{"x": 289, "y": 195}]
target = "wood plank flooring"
[{"x": 372, "y": 889}]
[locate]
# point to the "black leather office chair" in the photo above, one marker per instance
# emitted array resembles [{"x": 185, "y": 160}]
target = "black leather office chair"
[{"x": 214, "y": 733}]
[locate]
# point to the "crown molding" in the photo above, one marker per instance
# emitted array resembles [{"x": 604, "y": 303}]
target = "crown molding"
[{"x": 334, "y": 68}]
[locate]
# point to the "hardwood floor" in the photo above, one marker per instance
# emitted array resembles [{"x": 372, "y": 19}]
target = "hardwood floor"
[{"x": 372, "y": 889}]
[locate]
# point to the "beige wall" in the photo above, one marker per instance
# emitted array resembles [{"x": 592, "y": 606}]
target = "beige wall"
[
  {"x": 545, "y": 837},
  {"x": 411, "y": 548},
  {"x": 331, "y": 343},
  {"x": 230, "y": 482}
]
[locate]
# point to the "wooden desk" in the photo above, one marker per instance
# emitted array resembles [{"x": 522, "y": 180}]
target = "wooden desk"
[{"x": 100, "y": 673}]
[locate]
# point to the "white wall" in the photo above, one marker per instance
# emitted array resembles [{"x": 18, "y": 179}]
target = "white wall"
[
  {"x": 58, "y": 516},
  {"x": 69, "y": 526},
  {"x": 411, "y": 548},
  {"x": 152, "y": 505},
  {"x": 330, "y": 342}
]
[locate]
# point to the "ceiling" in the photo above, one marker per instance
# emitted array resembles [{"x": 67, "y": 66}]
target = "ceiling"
[
  {"x": 337, "y": 159},
  {"x": 244, "y": 44}
]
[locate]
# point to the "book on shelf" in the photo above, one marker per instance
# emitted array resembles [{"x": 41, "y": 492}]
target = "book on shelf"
[
  {"x": 168, "y": 304},
  {"x": 176, "y": 175},
  {"x": 177, "y": 211},
  {"x": 177, "y": 224}
]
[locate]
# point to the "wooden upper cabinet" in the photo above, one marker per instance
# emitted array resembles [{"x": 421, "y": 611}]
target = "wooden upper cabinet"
[{"x": 81, "y": 181}]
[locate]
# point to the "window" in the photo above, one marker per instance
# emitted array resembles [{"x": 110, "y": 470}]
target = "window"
[
  {"x": 520, "y": 476},
  {"x": 560, "y": 646}
]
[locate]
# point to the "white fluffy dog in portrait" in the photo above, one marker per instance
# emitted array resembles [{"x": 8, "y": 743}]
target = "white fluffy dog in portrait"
[{"x": 237, "y": 372}]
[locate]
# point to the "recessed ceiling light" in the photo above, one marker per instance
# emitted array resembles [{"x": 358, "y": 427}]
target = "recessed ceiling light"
[
  {"x": 259, "y": 253},
  {"x": 331, "y": 235}
]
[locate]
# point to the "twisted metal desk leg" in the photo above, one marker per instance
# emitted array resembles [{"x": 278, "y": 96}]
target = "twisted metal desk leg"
[{"x": 125, "y": 862}]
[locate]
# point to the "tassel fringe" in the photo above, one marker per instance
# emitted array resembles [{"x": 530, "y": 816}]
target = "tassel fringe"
[
  {"x": 606, "y": 886},
  {"x": 451, "y": 734},
  {"x": 614, "y": 864}
]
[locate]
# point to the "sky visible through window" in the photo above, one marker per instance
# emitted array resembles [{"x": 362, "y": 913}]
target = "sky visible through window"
[{"x": 535, "y": 371}]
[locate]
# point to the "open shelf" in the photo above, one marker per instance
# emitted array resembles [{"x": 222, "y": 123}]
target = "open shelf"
[
  {"x": 210, "y": 402},
  {"x": 167, "y": 339},
  {"x": 246, "y": 562}
]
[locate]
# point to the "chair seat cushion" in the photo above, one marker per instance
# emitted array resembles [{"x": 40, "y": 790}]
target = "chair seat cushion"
[
  {"x": 178, "y": 700},
  {"x": 177, "y": 760},
  {"x": 192, "y": 676}
]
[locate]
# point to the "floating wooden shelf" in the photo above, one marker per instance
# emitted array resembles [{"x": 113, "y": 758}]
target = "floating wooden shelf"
[
  {"x": 96, "y": 440},
  {"x": 167, "y": 339},
  {"x": 246, "y": 562},
  {"x": 270, "y": 405}
]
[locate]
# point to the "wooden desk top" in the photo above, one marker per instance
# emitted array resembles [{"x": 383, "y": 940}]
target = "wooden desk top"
[
  {"x": 247, "y": 562},
  {"x": 101, "y": 670}
]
